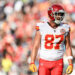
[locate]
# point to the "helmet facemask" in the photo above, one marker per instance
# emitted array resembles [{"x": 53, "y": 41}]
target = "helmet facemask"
[{"x": 61, "y": 15}]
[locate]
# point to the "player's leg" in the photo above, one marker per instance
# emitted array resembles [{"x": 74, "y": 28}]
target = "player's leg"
[
  {"x": 58, "y": 69},
  {"x": 43, "y": 70}
]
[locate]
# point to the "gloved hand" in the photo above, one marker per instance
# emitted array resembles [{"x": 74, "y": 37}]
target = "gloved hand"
[
  {"x": 33, "y": 67},
  {"x": 69, "y": 69}
]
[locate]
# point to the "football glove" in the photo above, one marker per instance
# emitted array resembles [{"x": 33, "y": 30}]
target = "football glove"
[
  {"x": 33, "y": 67},
  {"x": 69, "y": 69}
]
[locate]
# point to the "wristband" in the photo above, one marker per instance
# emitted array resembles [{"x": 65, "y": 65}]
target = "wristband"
[
  {"x": 70, "y": 57},
  {"x": 32, "y": 63},
  {"x": 71, "y": 64}
]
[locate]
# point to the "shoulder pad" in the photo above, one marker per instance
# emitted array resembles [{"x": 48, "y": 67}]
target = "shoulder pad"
[{"x": 67, "y": 27}]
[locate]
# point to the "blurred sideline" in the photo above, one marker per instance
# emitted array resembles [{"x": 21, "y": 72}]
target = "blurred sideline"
[{"x": 18, "y": 19}]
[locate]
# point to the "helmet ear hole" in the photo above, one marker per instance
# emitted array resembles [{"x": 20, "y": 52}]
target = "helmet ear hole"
[{"x": 52, "y": 14}]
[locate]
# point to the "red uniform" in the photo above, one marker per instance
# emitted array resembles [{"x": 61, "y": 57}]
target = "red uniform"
[{"x": 50, "y": 67}]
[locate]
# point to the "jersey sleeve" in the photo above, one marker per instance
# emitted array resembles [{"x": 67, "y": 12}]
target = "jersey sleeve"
[
  {"x": 38, "y": 27},
  {"x": 67, "y": 27}
]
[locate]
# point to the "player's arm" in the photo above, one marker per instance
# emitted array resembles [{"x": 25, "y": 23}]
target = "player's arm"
[
  {"x": 69, "y": 54},
  {"x": 36, "y": 44},
  {"x": 68, "y": 49}
]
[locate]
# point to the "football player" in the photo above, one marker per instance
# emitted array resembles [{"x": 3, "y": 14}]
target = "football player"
[{"x": 55, "y": 38}]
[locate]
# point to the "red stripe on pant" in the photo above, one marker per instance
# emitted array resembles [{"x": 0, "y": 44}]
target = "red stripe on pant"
[{"x": 50, "y": 67}]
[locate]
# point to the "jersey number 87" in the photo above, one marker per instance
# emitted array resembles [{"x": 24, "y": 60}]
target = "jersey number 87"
[{"x": 50, "y": 42}]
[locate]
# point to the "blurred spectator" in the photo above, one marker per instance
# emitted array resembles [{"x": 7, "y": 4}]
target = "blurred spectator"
[
  {"x": 6, "y": 62},
  {"x": 8, "y": 8},
  {"x": 69, "y": 5},
  {"x": 18, "y": 5},
  {"x": 18, "y": 19}
]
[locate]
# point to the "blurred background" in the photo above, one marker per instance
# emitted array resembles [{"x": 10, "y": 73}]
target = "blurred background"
[{"x": 18, "y": 19}]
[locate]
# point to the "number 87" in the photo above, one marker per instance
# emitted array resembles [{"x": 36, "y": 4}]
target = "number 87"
[{"x": 47, "y": 41}]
